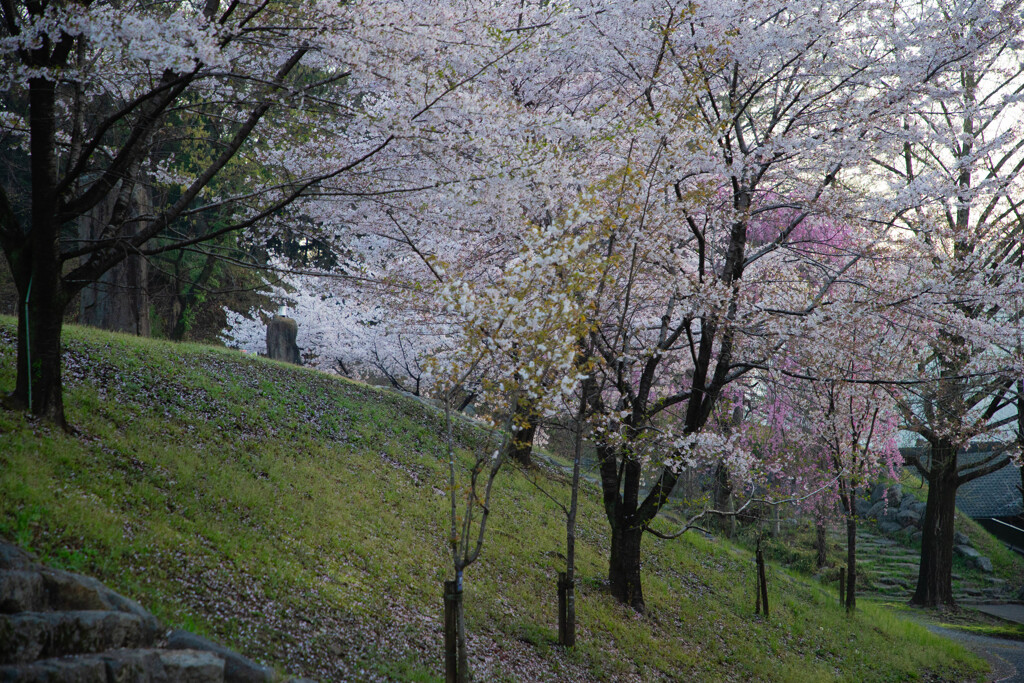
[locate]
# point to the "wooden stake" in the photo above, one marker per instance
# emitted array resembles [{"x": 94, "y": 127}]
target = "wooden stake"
[
  {"x": 763, "y": 580},
  {"x": 842, "y": 586}
]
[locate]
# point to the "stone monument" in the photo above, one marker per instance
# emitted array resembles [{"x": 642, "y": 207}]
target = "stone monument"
[{"x": 281, "y": 334}]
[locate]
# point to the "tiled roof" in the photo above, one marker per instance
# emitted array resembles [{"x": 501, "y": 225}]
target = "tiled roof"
[{"x": 993, "y": 495}]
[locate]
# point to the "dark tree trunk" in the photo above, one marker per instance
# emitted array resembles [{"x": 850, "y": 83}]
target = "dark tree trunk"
[
  {"x": 522, "y": 445},
  {"x": 627, "y": 522},
  {"x": 935, "y": 576},
  {"x": 456, "y": 658},
  {"x": 624, "y": 565},
  {"x": 723, "y": 500},
  {"x": 40, "y": 320},
  {"x": 848, "y": 582},
  {"x": 41, "y": 298},
  {"x": 188, "y": 298},
  {"x": 119, "y": 299},
  {"x": 567, "y": 630}
]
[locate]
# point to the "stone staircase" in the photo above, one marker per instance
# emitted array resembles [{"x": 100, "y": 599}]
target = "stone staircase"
[
  {"x": 888, "y": 570},
  {"x": 56, "y": 626}
]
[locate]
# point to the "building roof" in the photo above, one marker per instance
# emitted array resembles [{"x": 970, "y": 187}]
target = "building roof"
[{"x": 993, "y": 495}]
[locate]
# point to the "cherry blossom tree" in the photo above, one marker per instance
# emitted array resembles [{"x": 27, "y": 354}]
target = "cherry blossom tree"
[
  {"x": 713, "y": 140},
  {"x": 287, "y": 100},
  {"x": 954, "y": 180},
  {"x": 350, "y": 325},
  {"x": 745, "y": 127},
  {"x": 520, "y": 331},
  {"x": 831, "y": 425}
]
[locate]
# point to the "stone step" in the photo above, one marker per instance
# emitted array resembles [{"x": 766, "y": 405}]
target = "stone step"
[
  {"x": 237, "y": 669},
  {"x": 28, "y": 636},
  {"x": 21, "y": 591},
  {"x": 122, "y": 665},
  {"x": 31, "y": 588},
  {"x": 61, "y": 627}
]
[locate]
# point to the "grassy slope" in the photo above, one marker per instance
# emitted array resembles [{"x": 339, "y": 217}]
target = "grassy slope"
[{"x": 301, "y": 519}]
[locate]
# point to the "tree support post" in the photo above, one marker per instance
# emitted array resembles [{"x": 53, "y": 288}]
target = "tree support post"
[
  {"x": 762, "y": 582},
  {"x": 842, "y": 586}
]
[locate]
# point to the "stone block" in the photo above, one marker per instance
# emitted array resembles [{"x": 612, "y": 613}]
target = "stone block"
[
  {"x": 237, "y": 669},
  {"x": 895, "y": 495},
  {"x": 877, "y": 493},
  {"x": 89, "y": 669},
  {"x": 908, "y": 517},
  {"x": 21, "y": 591},
  {"x": 984, "y": 564},
  {"x": 13, "y": 557},
  {"x": 281, "y": 335},
  {"x": 960, "y": 538},
  {"x": 133, "y": 665},
  {"x": 877, "y": 509},
  {"x": 69, "y": 591},
  {"x": 966, "y": 551},
  {"x": 28, "y": 636},
  {"x": 887, "y": 527},
  {"x": 192, "y": 666},
  {"x": 121, "y": 666}
]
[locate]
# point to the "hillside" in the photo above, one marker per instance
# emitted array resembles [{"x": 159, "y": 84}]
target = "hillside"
[{"x": 301, "y": 519}]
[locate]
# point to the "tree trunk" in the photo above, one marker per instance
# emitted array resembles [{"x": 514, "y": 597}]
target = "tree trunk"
[
  {"x": 851, "y": 561},
  {"x": 723, "y": 499},
  {"x": 522, "y": 445},
  {"x": 119, "y": 300},
  {"x": 41, "y": 298},
  {"x": 567, "y": 630},
  {"x": 456, "y": 669},
  {"x": 935, "y": 576},
  {"x": 624, "y": 564}
]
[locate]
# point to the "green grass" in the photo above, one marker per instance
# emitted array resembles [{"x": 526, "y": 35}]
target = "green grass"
[
  {"x": 302, "y": 519},
  {"x": 1005, "y": 631}
]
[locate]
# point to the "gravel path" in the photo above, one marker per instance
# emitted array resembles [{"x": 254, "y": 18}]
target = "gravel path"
[{"x": 1005, "y": 656}]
